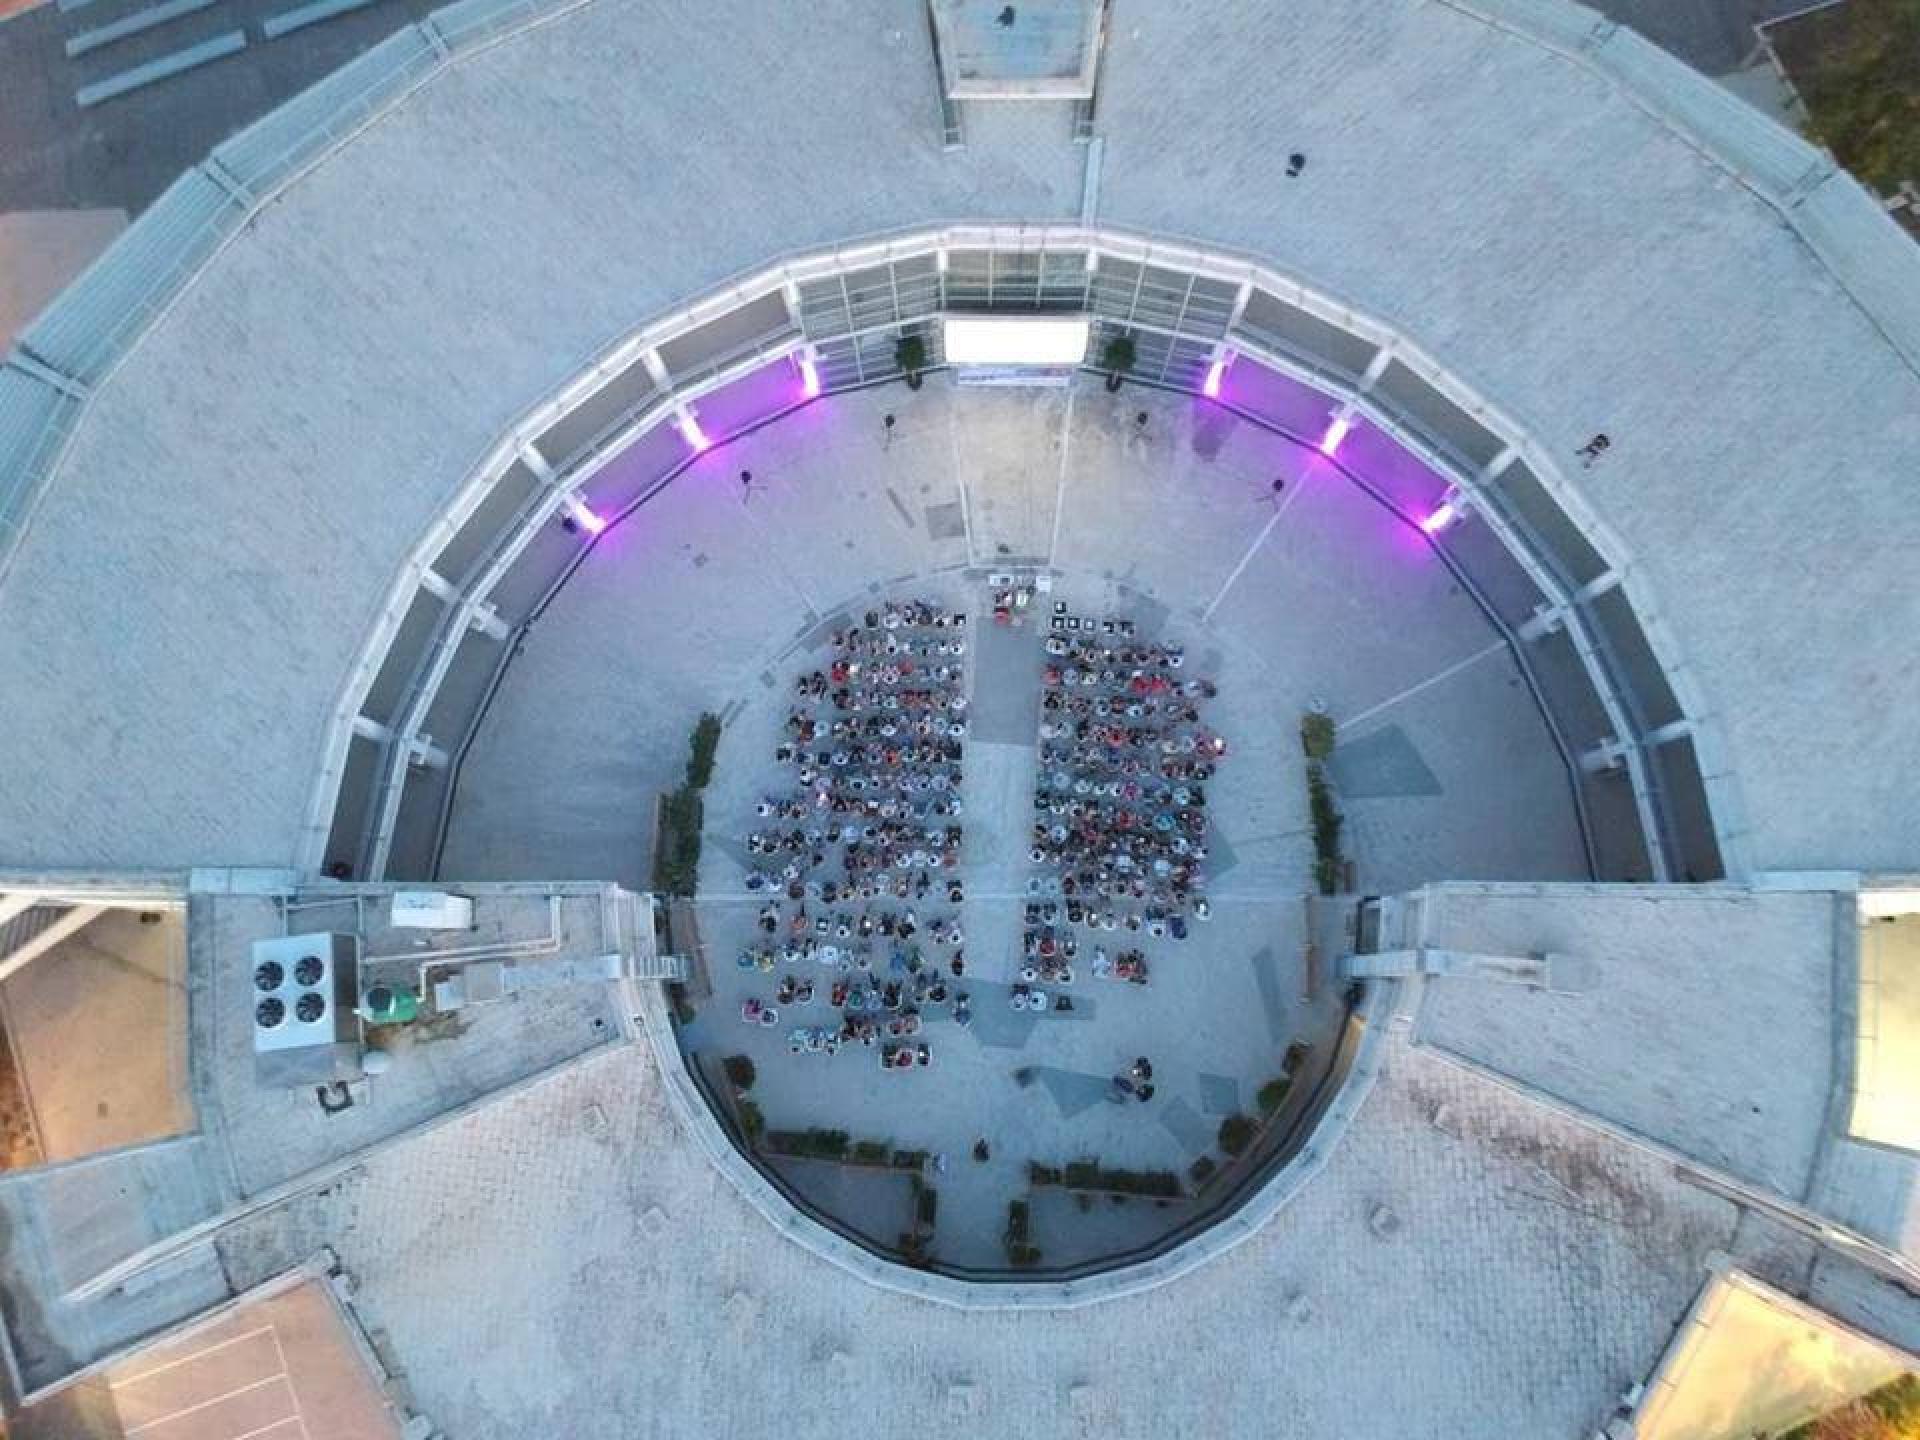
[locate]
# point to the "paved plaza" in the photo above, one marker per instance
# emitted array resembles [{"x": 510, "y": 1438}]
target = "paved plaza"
[{"x": 717, "y": 593}]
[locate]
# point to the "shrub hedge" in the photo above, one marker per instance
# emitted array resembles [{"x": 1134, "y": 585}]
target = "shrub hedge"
[{"x": 702, "y": 744}]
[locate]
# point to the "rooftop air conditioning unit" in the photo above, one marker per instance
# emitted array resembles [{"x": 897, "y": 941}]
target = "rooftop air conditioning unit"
[
  {"x": 431, "y": 910},
  {"x": 303, "y": 993}
]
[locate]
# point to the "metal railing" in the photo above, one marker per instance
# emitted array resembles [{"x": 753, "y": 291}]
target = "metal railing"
[{"x": 1174, "y": 294}]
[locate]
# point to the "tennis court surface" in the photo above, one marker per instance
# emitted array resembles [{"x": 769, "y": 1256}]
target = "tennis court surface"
[{"x": 283, "y": 1367}]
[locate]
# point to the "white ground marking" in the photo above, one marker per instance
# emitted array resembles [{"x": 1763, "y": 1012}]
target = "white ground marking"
[
  {"x": 1060, "y": 487},
  {"x": 1411, "y": 690},
  {"x": 960, "y": 480},
  {"x": 189, "y": 1358},
  {"x": 1258, "y": 541},
  {"x": 299, "y": 1412},
  {"x": 216, "y": 1400}
]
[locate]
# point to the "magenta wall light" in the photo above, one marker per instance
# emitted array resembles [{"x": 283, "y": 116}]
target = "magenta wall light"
[
  {"x": 583, "y": 516},
  {"x": 691, "y": 432},
  {"x": 1336, "y": 432},
  {"x": 1216, "y": 372},
  {"x": 809, "y": 378},
  {"x": 1443, "y": 515}
]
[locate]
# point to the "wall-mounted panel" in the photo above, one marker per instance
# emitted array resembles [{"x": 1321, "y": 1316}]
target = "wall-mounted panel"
[
  {"x": 600, "y": 413},
  {"x": 727, "y": 336},
  {"x": 1278, "y": 399},
  {"x": 358, "y": 779},
  {"x": 545, "y": 557},
  {"x": 1633, "y": 659},
  {"x": 1558, "y": 541},
  {"x": 1387, "y": 465},
  {"x": 389, "y": 688},
  {"x": 1431, "y": 415},
  {"x": 475, "y": 539},
  {"x": 1305, "y": 337},
  {"x": 750, "y": 399},
  {"x": 1502, "y": 581},
  {"x": 636, "y": 469},
  {"x": 1696, "y": 850}
]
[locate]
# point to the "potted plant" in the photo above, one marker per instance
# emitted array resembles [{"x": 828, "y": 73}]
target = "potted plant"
[
  {"x": 1117, "y": 358},
  {"x": 910, "y": 355}
]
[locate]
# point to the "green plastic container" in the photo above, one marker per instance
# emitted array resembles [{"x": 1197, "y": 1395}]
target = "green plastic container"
[{"x": 390, "y": 1005}]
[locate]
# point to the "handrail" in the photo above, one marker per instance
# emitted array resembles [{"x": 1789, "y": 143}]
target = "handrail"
[{"x": 1336, "y": 1105}]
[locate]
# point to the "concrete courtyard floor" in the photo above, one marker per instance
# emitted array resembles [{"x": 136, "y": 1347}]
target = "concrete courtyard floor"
[
  {"x": 714, "y": 594},
  {"x": 1220, "y": 1009}
]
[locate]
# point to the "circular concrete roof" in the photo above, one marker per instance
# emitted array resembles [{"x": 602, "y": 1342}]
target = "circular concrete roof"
[
  {"x": 241, "y": 490},
  {"x": 1574, "y": 227}
]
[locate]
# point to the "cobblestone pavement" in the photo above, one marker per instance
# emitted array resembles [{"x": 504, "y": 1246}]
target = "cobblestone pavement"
[{"x": 565, "y": 1262}]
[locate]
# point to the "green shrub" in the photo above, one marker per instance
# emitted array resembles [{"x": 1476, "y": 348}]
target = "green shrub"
[
  {"x": 683, "y": 1010},
  {"x": 1024, "y": 1257},
  {"x": 1202, "y": 1170},
  {"x": 1091, "y": 1175},
  {"x": 915, "y": 1160},
  {"x": 1163, "y": 1183},
  {"x": 786, "y": 1142},
  {"x": 676, "y": 858},
  {"x": 910, "y": 354},
  {"x": 1297, "y": 1052},
  {"x": 1316, "y": 734},
  {"x": 1119, "y": 354},
  {"x": 1237, "y": 1133},
  {"x": 752, "y": 1122},
  {"x": 1273, "y": 1094},
  {"x": 827, "y": 1144},
  {"x": 871, "y": 1152},
  {"x": 1019, "y": 1221},
  {"x": 927, "y": 1208},
  {"x": 1326, "y": 830},
  {"x": 740, "y": 1072},
  {"x": 705, "y": 740}
]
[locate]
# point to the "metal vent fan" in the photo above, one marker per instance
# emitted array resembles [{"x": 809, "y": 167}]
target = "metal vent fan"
[{"x": 304, "y": 987}]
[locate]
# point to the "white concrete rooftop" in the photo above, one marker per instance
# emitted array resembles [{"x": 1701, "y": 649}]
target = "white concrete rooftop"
[
  {"x": 181, "y": 616},
  {"x": 241, "y": 491}
]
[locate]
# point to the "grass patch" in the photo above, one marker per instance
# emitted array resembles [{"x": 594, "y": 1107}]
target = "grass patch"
[{"x": 1857, "y": 67}]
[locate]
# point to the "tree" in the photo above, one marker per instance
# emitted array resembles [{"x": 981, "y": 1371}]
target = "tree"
[{"x": 1857, "y": 66}]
